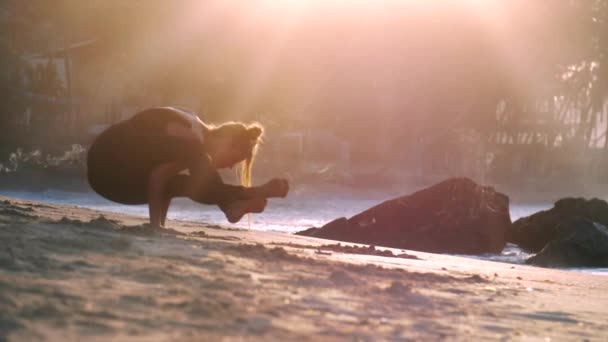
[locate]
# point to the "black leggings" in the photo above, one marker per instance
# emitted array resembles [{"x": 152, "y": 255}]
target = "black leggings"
[{"x": 205, "y": 185}]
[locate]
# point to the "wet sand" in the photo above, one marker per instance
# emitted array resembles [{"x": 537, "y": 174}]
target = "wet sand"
[{"x": 68, "y": 273}]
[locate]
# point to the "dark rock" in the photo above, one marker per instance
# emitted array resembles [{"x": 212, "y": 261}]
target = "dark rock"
[
  {"x": 337, "y": 226},
  {"x": 578, "y": 242},
  {"x": 533, "y": 232},
  {"x": 454, "y": 216}
]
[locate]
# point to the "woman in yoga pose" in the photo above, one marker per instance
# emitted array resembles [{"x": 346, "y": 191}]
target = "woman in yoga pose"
[{"x": 162, "y": 153}]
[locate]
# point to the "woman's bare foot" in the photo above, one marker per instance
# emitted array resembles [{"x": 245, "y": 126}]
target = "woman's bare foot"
[
  {"x": 277, "y": 187},
  {"x": 236, "y": 210}
]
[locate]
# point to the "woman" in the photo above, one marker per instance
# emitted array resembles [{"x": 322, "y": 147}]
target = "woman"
[{"x": 162, "y": 153}]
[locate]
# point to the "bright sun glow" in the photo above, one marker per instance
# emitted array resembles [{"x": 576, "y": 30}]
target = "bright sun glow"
[{"x": 297, "y": 52}]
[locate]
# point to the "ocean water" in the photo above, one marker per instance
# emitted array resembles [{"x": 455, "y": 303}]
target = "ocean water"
[{"x": 302, "y": 209}]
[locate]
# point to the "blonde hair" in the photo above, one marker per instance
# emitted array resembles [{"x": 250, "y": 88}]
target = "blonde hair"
[
  {"x": 247, "y": 136},
  {"x": 246, "y": 168}
]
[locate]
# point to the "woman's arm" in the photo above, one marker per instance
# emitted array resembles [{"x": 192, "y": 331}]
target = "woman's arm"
[{"x": 158, "y": 198}]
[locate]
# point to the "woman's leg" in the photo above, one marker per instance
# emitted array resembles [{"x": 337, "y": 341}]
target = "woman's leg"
[
  {"x": 205, "y": 185},
  {"x": 233, "y": 207}
]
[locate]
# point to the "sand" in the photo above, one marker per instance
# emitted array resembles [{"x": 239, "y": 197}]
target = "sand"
[{"x": 68, "y": 273}]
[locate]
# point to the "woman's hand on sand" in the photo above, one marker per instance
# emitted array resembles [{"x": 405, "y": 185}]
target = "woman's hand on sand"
[{"x": 277, "y": 187}]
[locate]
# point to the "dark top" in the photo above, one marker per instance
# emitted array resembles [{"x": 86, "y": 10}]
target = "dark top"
[{"x": 121, "y": 158}]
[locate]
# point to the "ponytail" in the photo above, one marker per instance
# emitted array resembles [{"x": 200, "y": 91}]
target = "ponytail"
[{"x": 254, "y": 134}]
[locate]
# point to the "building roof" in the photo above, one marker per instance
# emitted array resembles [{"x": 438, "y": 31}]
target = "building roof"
[{"x": 64, "y": 50}]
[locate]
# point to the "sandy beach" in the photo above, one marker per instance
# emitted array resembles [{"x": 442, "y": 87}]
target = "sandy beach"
[{"x": 68, "y": 273}]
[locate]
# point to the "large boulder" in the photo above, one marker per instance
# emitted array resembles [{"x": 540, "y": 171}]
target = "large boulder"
[
  {"x": 579, "y": 242},
  {"x": 533, "y": 232},
  {"x": 454, "y": 216}
]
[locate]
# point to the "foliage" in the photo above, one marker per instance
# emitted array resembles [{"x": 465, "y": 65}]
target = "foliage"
[
  {"x": 515, "y": 71},
  {"x": 36, "y": 159},
  {"x": 10, "y": 89}
]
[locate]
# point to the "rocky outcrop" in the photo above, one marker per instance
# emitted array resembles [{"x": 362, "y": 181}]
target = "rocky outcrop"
[
  {"x": 454, "y": 216},
  {"x": 578, "y": 242},
  {"x": 534, "y": 232}
]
